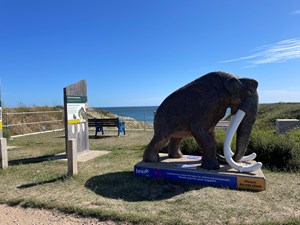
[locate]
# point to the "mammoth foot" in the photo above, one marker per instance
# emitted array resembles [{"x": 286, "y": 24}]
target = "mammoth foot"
[
  {"x": 150, "y": 157},
  {"x": 210, "y": 164},
  {"x": 174, "y": 148},
  {"x": 175, "y": 155}
]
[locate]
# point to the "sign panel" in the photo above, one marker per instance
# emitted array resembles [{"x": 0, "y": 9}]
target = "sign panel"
[
  {"x": 77, "y": 108},
  {"x": 76, "y": 124}
]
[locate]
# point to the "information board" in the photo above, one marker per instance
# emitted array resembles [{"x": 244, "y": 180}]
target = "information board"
[{"x": 75, "y": 108}]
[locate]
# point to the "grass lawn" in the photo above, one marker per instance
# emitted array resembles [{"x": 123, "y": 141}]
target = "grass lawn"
[{"x": 106, "y": 187}]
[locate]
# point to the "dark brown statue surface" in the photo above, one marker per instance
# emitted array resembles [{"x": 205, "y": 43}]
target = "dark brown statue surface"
[{"x": 195, "y": 109}]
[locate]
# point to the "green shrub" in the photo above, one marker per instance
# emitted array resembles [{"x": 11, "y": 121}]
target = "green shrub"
[
  {"x": 6, "y": 134},
  {"x": 220, "y": 137},
  {"x": 189, "y": 146},
  {"x": 276, "y": 152}
]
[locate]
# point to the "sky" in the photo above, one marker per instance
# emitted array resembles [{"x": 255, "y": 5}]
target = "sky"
[{"x": 137, "y": 52}]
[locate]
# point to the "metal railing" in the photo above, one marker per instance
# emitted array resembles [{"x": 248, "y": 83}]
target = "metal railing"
[
  {"x": 146, "y": 117},
  {"x": 133, "y": 114},
  {"x": 41, "y": 120}
]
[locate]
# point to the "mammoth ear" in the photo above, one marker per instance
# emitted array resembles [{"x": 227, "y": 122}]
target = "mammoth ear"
[
  {"x": 251, "y": 84},
  {"x": 233, "y": 85}
]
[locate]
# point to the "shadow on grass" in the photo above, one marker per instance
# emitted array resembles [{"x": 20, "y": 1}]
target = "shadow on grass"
[
  {"x": 61, "y": 178},
  {"x": 124, "y": 185},
  {"x": 101, "y": 136},
  {"x": 38, "y": 159},
  {"x": 61, "y": 137}
]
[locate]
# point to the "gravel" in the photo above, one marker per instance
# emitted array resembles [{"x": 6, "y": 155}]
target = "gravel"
[{"x": 28, "y": 216}]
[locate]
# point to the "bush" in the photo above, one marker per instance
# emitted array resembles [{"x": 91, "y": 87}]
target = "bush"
[
  {"x": 276, "y": 152},
  {"x": 6, "y": 134},
  {"x": 189, "y": 145}
]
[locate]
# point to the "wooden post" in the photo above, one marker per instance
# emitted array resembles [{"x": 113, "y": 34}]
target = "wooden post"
[
  {"x": 3, "y": 153},
  {"x": 72, "y": 157}
]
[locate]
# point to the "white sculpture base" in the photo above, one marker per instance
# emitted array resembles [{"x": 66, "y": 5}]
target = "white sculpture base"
[{"x": 187, "y": 169}]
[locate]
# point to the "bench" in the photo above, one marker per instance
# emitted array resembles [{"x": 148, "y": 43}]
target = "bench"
[{"x": 109, "y": 122}]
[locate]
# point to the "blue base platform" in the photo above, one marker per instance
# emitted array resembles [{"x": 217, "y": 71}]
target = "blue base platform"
[{"x": 188, "y": 169}]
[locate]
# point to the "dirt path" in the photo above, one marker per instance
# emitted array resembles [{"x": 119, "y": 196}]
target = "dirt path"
[{"x": 28, "y": 216}]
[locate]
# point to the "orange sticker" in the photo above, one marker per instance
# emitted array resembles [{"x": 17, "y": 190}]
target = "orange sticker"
[{"x": 249, "y": 183}]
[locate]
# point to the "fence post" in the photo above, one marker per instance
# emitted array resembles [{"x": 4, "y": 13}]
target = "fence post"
[
  {"x": 3, "y": 153},
  {"x": 144, "y": 119},
  {"x": 7, "y": 119},
  {"x": 72, "y": 157},
  {"x": 44, "y": 127}
]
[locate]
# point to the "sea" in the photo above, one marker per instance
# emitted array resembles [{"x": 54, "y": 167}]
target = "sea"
[{"x": 144, "y": 114}]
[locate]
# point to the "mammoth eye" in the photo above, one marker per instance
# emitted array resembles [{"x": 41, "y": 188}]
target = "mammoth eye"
[{"x": 249, "y": 93}]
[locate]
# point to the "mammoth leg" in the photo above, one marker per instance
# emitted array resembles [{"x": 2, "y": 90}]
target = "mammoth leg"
[
  {"x": 206, "y": 141},
  {"x": 174, "y": 148},
  {"x": 151, "y": 153}
]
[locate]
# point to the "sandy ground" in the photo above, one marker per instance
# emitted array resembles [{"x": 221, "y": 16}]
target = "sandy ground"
[{"x": 28, "y": 216}]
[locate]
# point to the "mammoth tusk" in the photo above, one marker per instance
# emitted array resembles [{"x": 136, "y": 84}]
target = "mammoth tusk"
[
  {"x": 248, "y": 157},
  {"x": 227, "y": 143}
]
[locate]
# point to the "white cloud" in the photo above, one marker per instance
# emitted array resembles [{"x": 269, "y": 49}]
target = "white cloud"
[
  {"x": 272, "y": 96},
  {"x": 281, "y": 51},
  {"x": 295, "y": 12}
]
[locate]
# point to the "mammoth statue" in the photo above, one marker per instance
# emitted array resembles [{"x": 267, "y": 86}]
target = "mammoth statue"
[{"x": 196, "y": 108}]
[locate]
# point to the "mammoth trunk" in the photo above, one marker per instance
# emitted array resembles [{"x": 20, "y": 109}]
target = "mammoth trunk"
[
  {"x": 244, "y": 131},
  {"x": 242, "y": 139}
]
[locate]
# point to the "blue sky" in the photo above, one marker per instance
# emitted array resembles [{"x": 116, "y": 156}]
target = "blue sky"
[{"x": 135, "y": 53}]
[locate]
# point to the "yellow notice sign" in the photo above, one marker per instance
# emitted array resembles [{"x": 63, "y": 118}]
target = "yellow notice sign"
[
  {"x": 250, "y": 183},
  {"x": 73, "y": 121},
  {"x": 0, "y": 125}
]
